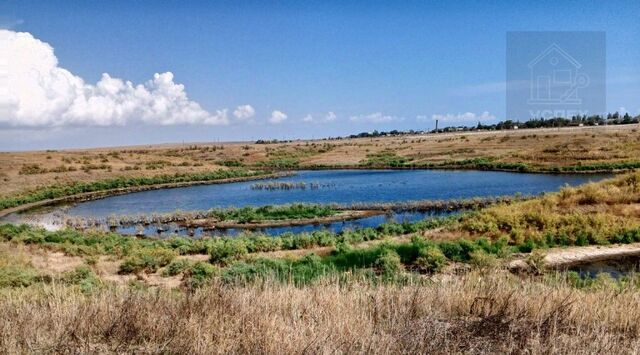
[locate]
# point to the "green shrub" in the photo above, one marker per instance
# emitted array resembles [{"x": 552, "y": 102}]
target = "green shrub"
[
  {"x": 483, "y": 260},
  {"x": 297, "y": 272},
  {"x": 431, "y": 259},
  {"x": 146, "y": 260},
  {"x": 200, "y": 273},
  {"x": 385, "y": 158},
  {"x": 18, "y": 276},
  {"x": 227, "y": 250},
  {"x": 176, "y": 267},
  {"x": 84, "y": 277},
  {"x": 458, "y": 250},
  {"x": 388, "y": 262}
]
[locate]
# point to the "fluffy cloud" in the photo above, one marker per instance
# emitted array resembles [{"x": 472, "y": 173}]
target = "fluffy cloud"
[
  {"x": 467, "y": 116},
  {"x": 244, "y": 112},
  {"x": 277, "y": 117},
  {"x": 377, "y": 117},
  {"x": 307, "y": 118},
  {"x": 39, "y": 93}
]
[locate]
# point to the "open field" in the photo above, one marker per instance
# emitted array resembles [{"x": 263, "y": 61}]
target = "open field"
[
  {"x": 591, "y": 148},
  {"x": 439, "y": 285},
  {"x": 478, "y": 313}
]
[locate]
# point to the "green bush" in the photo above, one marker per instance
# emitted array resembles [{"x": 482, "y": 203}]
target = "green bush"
[
  {"x": 146, "y": 260},
  {"x": 200, "y": 273},
  {"x": 225, "y": 251},
  {"x": 388, "y": 262},
  {"x": 297, "y": 272},
  {"x": 18, "y": 276},
  {"x": 84, "y": 277},
  {"x": 483, "y": 260},
  {"x": 431, "y": 259},
  {"x": 176, "y": 267},
  {"x": 458, "y": 250}
]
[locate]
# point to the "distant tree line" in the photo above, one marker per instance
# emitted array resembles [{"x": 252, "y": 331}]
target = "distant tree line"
[{"x": 556, "y": 122}]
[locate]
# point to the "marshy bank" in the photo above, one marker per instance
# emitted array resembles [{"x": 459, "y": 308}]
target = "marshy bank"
[
  {"x": 271, "y": 220},
  {"x": 83, "y": 192}
]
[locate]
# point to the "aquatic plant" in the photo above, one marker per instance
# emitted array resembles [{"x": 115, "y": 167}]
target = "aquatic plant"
[{"x": 288, "y": 185}]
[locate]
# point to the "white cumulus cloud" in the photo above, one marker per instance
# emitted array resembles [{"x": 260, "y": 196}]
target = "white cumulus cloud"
[
  {"x": 244, "y": 112},
  {"x": 461, "y": 116},
  {"x": 39, "y": 93},
  {"x": 307, "y": 118},
  {"x": 376, "y": 117},
  {"x": 277, "y": 117}
]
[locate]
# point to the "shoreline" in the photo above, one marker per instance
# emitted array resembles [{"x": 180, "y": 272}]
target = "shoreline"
[
  {"x": 454, "y": 168},
  {"x": 97, "y": 195}
]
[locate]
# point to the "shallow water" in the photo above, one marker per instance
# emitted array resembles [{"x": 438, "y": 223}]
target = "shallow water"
[
  {"x": 334, "y": 186},
  {"x": 336, "y": 227},
  {"x": 340, "y": 186},
  {"x": 616, "y": 268}
]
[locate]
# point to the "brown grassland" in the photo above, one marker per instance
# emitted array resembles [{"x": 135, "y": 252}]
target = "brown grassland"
[
  {"x": 424, "y": 288},
  {"x": 541, "y": 148}
]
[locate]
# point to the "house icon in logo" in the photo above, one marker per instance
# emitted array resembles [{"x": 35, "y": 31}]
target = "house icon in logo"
[{"x": 556, "y": 78}]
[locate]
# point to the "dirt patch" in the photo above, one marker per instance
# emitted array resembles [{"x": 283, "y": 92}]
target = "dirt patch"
[
  {"x": 54, "y": 262},
  {"x": 559, "y": 258}
]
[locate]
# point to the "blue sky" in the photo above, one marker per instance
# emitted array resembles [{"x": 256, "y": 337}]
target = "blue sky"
[{"x": 353, "y": 67}]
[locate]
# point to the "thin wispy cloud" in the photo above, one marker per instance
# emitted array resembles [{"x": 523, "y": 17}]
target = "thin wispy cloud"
[
  {"x": 466, "y": 116},
  {"x": 376, "y": 117}
]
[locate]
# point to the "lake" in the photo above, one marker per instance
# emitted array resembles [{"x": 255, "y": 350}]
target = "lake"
[
  {"x": 336, "y": 186},
  {"x": 329, "y": 186}
]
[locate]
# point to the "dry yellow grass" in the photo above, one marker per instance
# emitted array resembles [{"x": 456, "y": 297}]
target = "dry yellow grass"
[{"x": 477, "y": 313}]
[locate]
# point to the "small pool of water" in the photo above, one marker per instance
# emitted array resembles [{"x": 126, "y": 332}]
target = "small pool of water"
[
  {"x": 349, "y": 187},
  {"x": 616, "y": 268},
  {"x": 336, "y": 186}
]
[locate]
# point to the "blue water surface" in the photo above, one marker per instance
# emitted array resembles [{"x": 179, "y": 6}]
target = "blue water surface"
[{"x": 337, "y": 186}]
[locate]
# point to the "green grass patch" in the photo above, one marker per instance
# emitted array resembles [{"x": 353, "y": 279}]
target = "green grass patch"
[
  {"x": 384, "y": 159},
  {"x": 272, "y": 213}
]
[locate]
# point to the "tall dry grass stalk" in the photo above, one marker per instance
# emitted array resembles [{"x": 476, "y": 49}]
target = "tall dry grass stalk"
[{"x": 477, "y": 313}]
